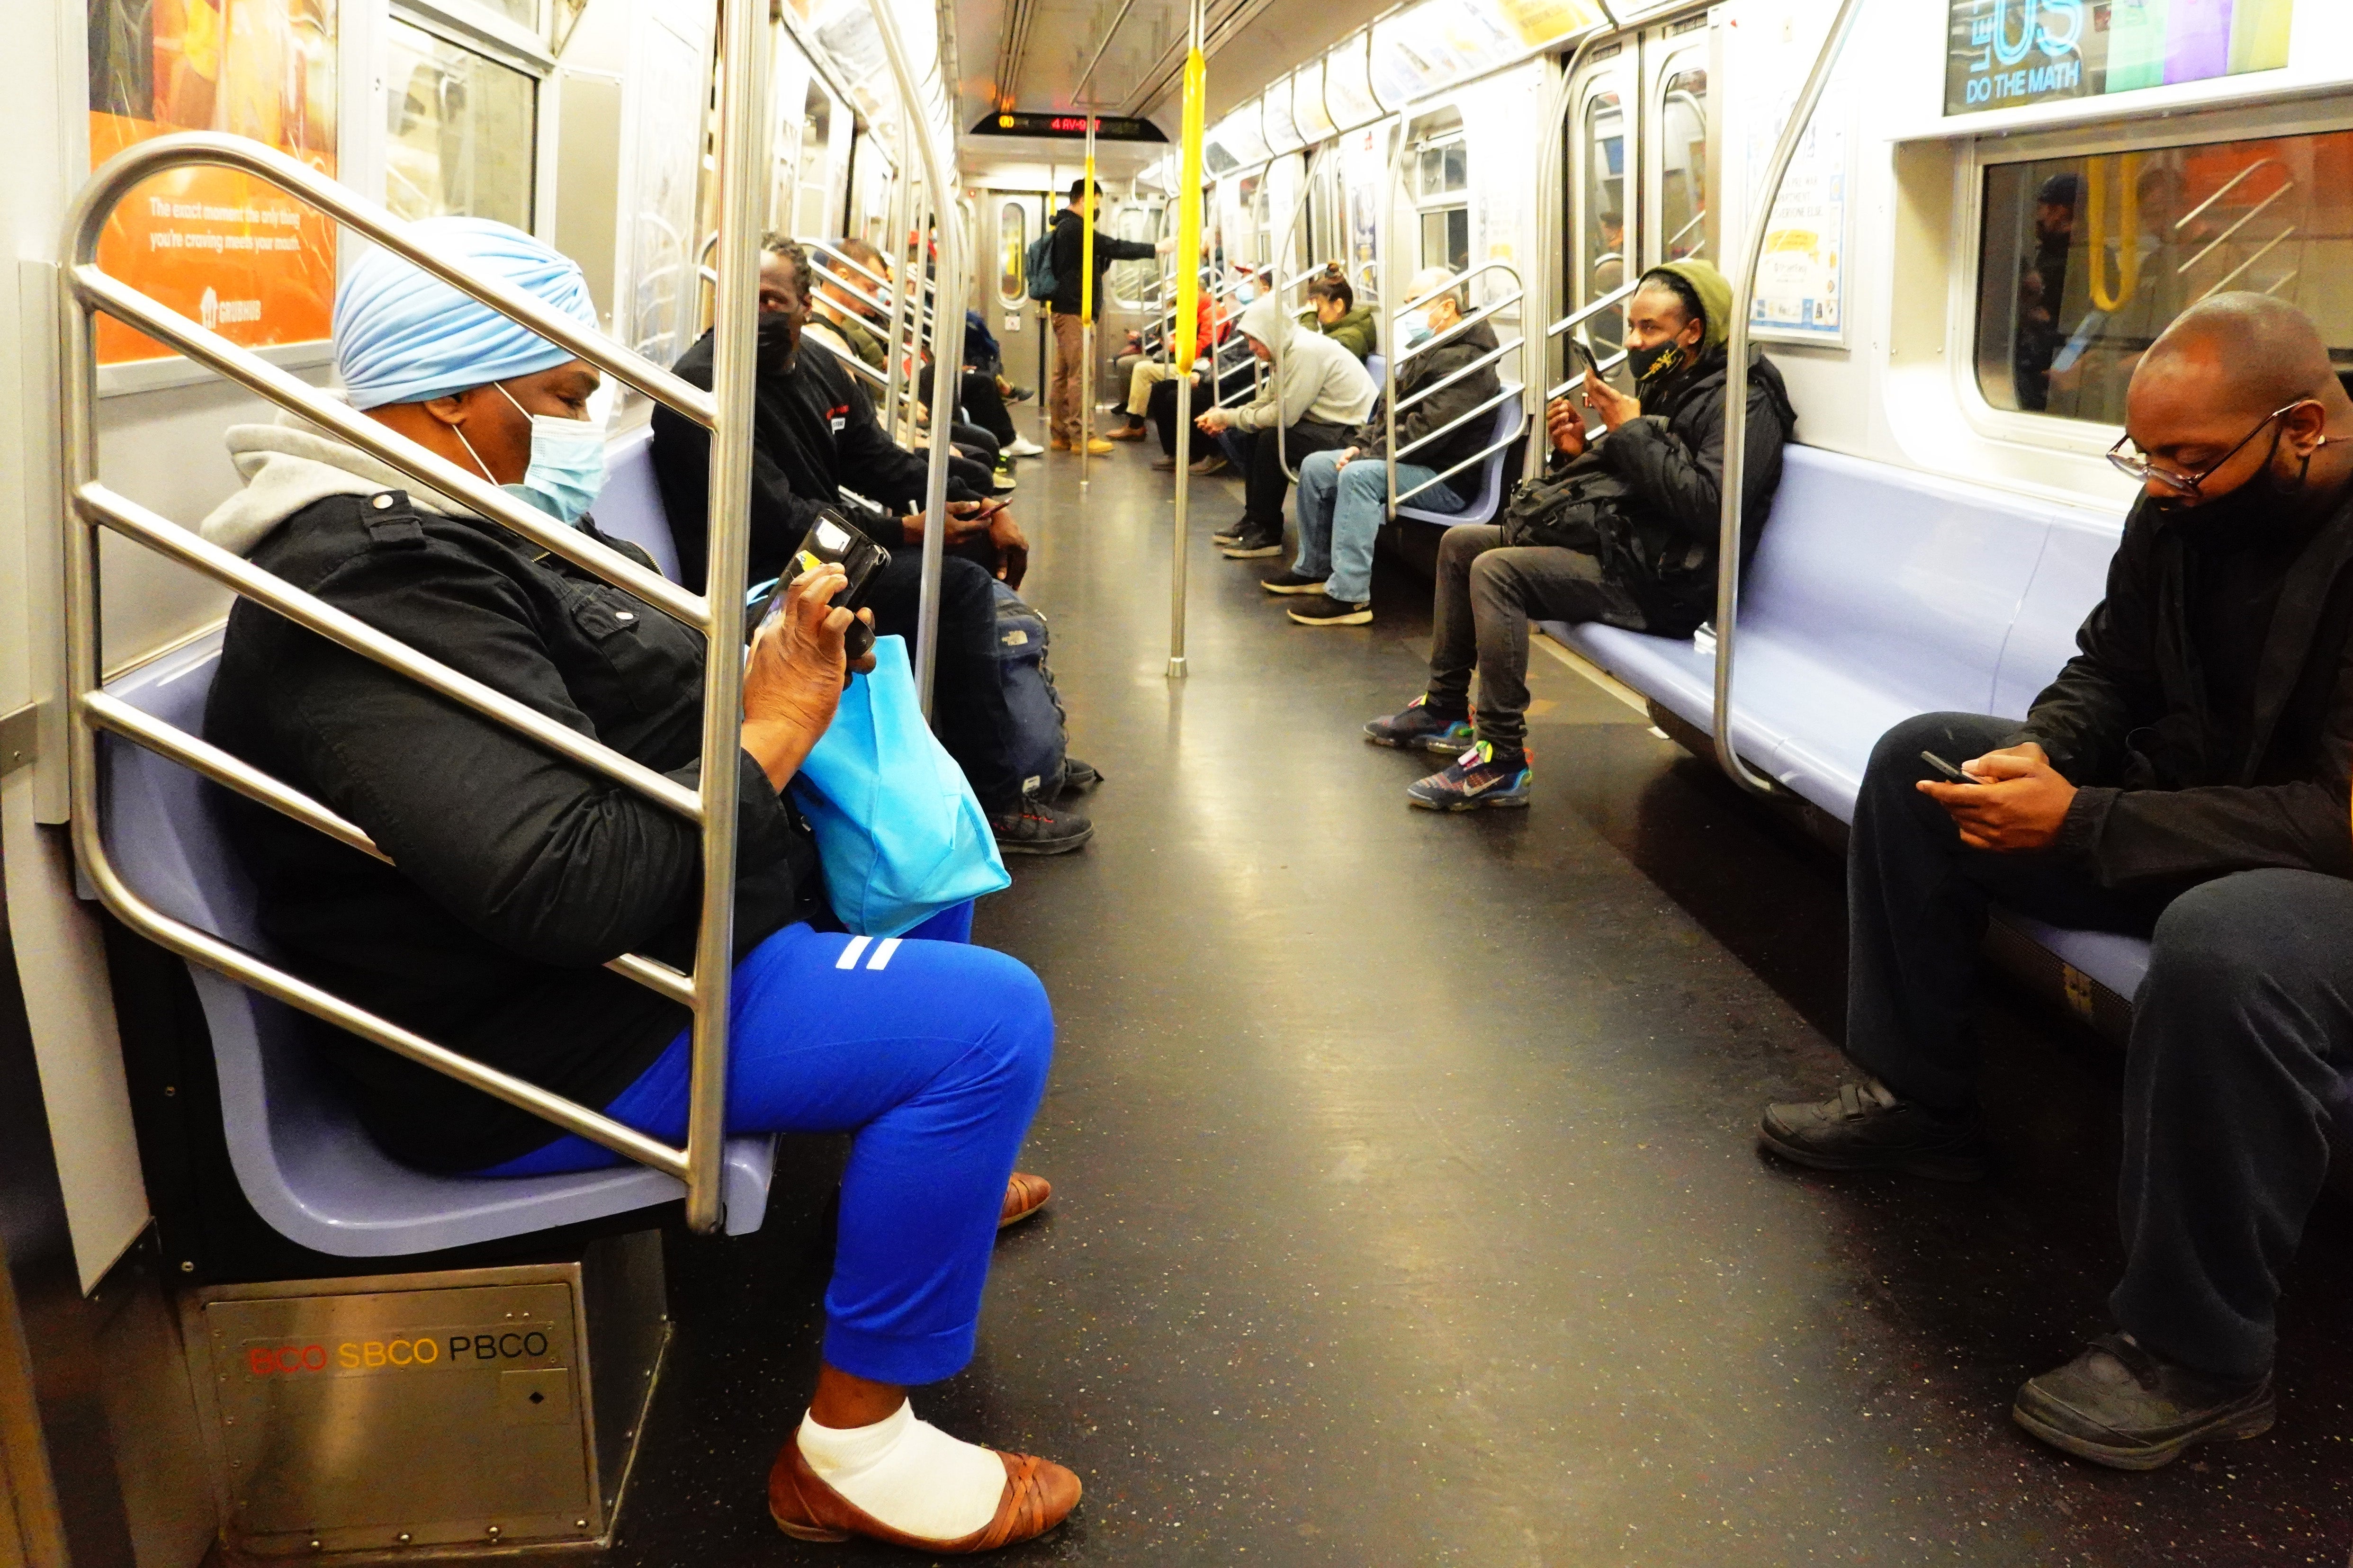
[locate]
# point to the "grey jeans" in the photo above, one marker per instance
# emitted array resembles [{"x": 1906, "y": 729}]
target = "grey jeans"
[{"x": 1487, "y": 593}]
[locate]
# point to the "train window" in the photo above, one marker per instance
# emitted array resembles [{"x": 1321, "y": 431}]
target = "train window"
[
  {"x": 2085, "y": 259},
  {"x": 1130, "y": 283},
  {"x": 460, "y": 130},
  {"x": 1012, "y": 244},
  {"x": 1603, "y": 265},
  {"x": 1441, "y": 187},
  {"x": 1682, "y": 170}
]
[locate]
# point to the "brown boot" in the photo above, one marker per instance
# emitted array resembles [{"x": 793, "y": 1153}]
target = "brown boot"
[{"x": 1039, "y": 1494}]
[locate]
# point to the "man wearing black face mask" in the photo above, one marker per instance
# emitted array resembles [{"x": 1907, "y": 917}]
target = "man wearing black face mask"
[
  {"x": 2185, "y": 777},
  {"x": 1621, "y": 528},
  {"x": 813, "y": 434}
]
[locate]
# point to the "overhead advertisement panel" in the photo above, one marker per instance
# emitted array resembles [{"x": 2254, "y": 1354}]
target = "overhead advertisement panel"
[
  {"x": 1347, "y": 89},
  {"x": 237, "y": 253},
  {"x": 1307, "y": 111},
  {"x": 1436, "y": 43},
  {"x": 2008, "y": 54},
  {"x": 1274, "y": 119}
]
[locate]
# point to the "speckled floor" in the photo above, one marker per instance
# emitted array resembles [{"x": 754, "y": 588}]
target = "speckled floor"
[{"x": 1407, "y": 1207}]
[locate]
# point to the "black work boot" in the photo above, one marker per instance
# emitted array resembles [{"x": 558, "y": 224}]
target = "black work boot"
[
  {"x": 2120, "y": 1404},
  {"x": 1036, "y": 828},
  {"x": 1866, "y": 1128}
]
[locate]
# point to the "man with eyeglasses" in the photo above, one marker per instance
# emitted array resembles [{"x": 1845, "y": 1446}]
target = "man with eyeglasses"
[{"x": 2184, "y": 777}]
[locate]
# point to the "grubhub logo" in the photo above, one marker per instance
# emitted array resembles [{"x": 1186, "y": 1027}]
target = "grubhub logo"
[{"x": 215, "y": 311}]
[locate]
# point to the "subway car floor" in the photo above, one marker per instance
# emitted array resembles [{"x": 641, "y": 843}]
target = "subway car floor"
[{"x": 1407, "y": 1207}]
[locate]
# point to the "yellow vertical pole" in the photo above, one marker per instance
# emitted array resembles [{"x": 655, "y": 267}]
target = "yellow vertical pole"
[
  {"x": 1186, "y": 331},
  {"x": 1087, "y": 310}
]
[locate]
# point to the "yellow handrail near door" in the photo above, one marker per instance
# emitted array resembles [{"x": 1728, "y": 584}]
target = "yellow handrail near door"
[
  {"x": 2096, "y": 214},
  {"x": 1186, "y": 332}
]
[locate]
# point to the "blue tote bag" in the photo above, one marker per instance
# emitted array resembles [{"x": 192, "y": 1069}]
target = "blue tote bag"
[{"x": 898, "y": 831}]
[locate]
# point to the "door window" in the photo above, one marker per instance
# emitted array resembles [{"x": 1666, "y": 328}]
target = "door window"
[
  {"x": 1682, "y": 165},
  {"x": 460, "y": 130}
]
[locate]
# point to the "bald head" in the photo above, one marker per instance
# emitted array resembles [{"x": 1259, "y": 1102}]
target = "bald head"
[
  {"x": 2223, "y": 366},
  {"x": 2247, "y": 353}
]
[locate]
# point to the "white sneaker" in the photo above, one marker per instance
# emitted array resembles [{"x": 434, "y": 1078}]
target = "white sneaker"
[{"x": 1022, "y": 447}]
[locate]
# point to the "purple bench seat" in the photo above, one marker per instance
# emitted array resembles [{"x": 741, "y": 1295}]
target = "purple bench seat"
[
  {"x": 1878, "y": 592},
  {"x": 296, "y": 1143}
]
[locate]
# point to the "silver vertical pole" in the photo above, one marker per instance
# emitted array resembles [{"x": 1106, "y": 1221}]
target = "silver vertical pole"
[
  {"x": 894, "y": 253},
  {"x": 1185, "y": 400},
  {"x": 1735, "y": 393},
  {"x": 742, "y": 190}
]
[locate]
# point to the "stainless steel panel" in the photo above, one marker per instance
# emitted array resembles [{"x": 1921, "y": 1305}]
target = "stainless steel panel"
[
  {"x": 628, "y": 1323},
  {"x": 368, "y": 1415}
]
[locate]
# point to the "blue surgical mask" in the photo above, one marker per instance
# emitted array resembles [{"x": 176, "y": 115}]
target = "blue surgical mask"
[
  {"x": 1417, "y": 330},
  {"x": 1246, "y": 293},
  {"x": 567, "y": 464}
]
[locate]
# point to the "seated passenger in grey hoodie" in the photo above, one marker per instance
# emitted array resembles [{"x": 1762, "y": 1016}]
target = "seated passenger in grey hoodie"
[{"x": 1313, "y": 389}]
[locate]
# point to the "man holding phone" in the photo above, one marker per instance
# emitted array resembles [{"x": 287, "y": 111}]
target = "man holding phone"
[{"x": 2184, "y": 777}]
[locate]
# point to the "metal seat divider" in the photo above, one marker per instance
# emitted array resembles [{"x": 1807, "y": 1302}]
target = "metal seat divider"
[
  {"x": 1282, "y": 250},
  {"x": 1458, "y": 287},
  {"x": 87, "y": 292}
]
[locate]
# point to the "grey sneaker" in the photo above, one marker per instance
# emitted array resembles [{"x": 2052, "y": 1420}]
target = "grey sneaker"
[
  {"x": 2120, "y": 1404},
  {"x": 1039, "y": 828},
  {"x": 1864, "y": 1127}
]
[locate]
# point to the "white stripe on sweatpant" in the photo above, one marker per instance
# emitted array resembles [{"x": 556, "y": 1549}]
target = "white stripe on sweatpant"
[
  {"x": 881, "y": 959},
  {"x": 848, "y": 959}
]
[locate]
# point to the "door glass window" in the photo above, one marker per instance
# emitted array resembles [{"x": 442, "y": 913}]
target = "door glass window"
[
  {"x": 1601, "y": 243},
  {"x": 2085, "y": 260},
  {"x": 1683, "y": 165},
  {"x": 1132, "y": 283},
  {"x": 461, "y": 128},
  {"x": 1446, "y": 238},
  {"x": 1012, "y": 245}
]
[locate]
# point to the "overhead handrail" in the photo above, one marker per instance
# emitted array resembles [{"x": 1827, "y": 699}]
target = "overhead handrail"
[
  {"x": 1736, "y": 394},
  {"x": 1458, "y": 287},
  {"x": 87, "y": 292}
]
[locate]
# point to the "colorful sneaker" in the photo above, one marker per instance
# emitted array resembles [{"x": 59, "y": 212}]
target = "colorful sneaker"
[
  {"x": 1003, "y": 478},
  {"x": 1474, "y": 779},
  {"x": 1418, "y": 726}
]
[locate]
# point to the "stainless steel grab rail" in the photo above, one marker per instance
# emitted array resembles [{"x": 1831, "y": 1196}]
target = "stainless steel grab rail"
[
  {"x": 1459, "y": 287},
  {"x": 1735, "y": 394},
  {"x": 87, "y": 292}
]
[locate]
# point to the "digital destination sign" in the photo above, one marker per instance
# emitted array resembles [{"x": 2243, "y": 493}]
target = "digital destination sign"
[{"x": 1108, "y": 126}]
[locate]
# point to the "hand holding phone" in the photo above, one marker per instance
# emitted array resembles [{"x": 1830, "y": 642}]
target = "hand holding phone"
[
  {"x": 832, "y": 539},
  {"x": 1951, "y": 773}
]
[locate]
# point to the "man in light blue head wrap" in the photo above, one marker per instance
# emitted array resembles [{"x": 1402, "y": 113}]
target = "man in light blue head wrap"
[{"x": 481, "y": 389}]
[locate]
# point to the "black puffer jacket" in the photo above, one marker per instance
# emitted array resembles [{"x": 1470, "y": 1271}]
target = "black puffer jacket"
[
  {"x": 1419, "y": 419},
  {"x": 2169, "y": 790},
  {"x": 1670, "y": 460},
  {"x": 517, "y": 874},
  {"x": 1070, "y": 259}
]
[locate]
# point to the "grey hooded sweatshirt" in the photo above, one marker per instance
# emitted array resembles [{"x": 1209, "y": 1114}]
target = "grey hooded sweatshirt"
[
  {"x": 291, "y": 464},
  {"x": 1317, "y": 379}
]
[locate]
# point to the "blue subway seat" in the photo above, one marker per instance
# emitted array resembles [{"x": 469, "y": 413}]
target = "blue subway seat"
[
  {"x": 305, "y": 1164},
  {"x": 630, "y": 505},
  {"x": 1489, "y": 499},
  {"x": 1878, "y": 592}
]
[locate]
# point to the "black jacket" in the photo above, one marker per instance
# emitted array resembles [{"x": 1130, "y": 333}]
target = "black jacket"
[
  {"x": 1671, "y": 462},
  {"x": 2163, "y": 794},
  {"x": 1371, "y": 438},
  {"x": 813, "y": 432},
  {"x": 1070, "y": 259},
  {"x": 519, "y": 874}
]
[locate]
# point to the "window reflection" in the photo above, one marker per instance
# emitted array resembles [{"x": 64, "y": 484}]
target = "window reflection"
[
  {"x": 1683, "y": 165},
  {"x": 2085, "y": 260},
  {"x": 1012, "y": 243},
  {"x": 1601, "y": 264},
  {"x": 460, "y": 130}
]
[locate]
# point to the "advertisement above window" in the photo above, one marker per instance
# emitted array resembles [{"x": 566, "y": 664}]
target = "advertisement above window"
[{"x": 2009, "y": 54}]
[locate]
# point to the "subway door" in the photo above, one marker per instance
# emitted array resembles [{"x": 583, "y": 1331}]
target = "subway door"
[
  {"x": 1680, "y": 144},
  {"x": 1602, "y": 233},
  {"x": 1128, "y": 296}
]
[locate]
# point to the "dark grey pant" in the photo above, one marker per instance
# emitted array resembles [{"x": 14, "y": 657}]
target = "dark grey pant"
[
  {"x": 2242, "y": 1034},
  {"x": 1487, "y": 593}
]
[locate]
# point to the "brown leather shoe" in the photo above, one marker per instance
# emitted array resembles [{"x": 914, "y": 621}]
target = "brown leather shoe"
[
  {"x": 1039, "y": 1494},
  {"x": 1025, "y": 1195},
  {"x": 1125, "y": 433}
]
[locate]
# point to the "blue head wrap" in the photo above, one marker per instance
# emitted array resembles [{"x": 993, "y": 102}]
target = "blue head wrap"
[{"x": 403, "y": 335}]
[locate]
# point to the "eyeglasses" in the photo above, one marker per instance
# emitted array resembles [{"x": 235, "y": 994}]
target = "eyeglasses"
[{"x": 2137, "y": 463}]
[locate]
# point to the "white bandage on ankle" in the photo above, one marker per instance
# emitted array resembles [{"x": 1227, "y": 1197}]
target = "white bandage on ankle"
[{"x": 907, "y": 1474}]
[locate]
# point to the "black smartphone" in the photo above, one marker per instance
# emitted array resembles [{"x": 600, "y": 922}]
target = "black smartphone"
[
  {"x": 1586, "y": 354},
  {"x": 1952, "y": 774},
  {"x": 833, "y": 538}
]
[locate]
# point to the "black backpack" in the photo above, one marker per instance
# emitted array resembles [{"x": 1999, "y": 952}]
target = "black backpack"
[{"x": 1038, "y": 738}]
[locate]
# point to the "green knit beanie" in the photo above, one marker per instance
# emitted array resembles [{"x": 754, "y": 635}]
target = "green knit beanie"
[{"x": 1714, "y": 291}]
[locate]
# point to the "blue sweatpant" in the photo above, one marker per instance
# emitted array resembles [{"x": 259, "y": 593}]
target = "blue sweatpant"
[{"x": 934, "y": 1054}]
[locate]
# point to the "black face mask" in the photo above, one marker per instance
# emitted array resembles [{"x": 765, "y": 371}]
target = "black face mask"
[
  {"x": 779, "y": 336},
  {"x": 2259, "y": 510},
  {"x": 1657, "y": 361}
]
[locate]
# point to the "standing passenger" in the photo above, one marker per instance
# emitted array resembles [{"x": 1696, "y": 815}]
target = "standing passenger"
[
  {"x": 2185, "y": 774},
  {"x": 1070, "y": 327},
  {"x": 516, "y": 875}
]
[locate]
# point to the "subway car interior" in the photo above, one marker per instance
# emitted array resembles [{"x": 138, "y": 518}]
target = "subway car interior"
[{"x": 1631, "y": 973}]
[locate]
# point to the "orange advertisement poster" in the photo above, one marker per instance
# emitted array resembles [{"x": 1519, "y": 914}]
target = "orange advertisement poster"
[{"x": 246, "y": 259}]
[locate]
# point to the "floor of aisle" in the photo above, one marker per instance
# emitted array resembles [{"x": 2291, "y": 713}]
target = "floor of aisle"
[{"x": 1408, "y": 1209}]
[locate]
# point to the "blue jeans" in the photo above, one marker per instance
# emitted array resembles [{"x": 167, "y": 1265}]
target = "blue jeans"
[
  {"x": 1341, "y": 510},
  {"x": 934, "y": 1054}
]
